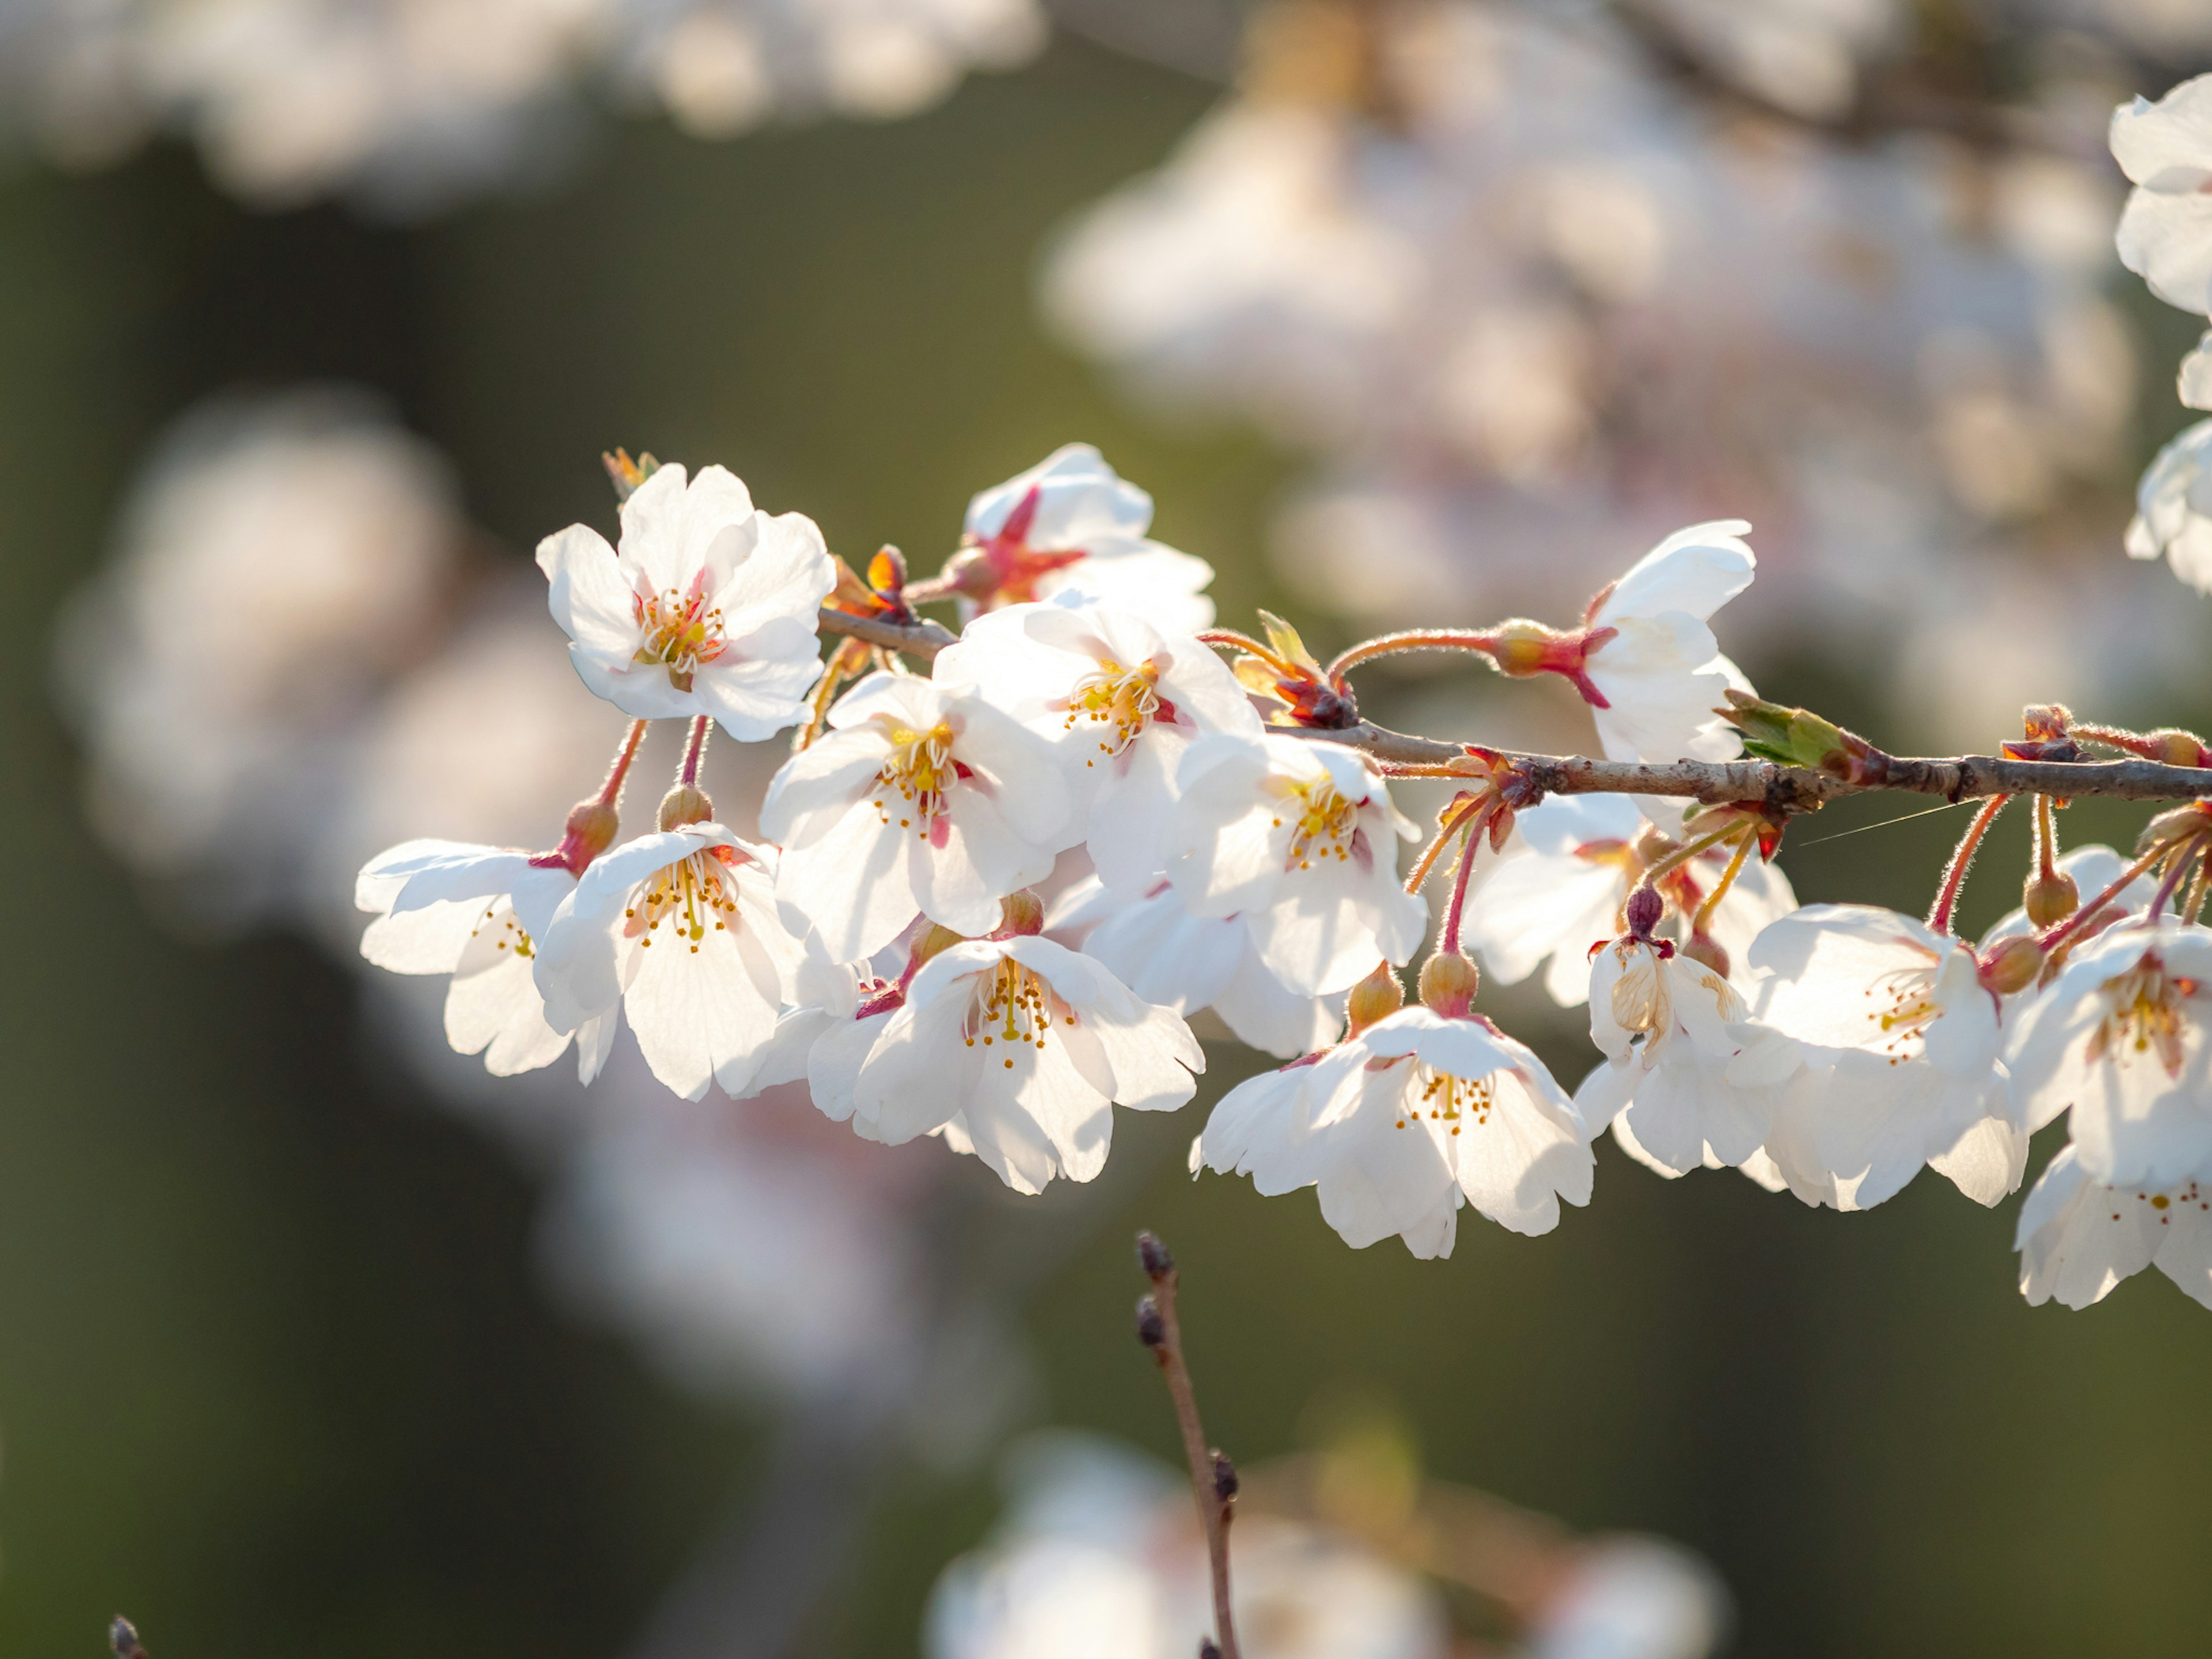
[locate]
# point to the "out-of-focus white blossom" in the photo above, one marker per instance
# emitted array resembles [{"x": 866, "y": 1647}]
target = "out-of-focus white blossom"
[
  {"x": 917, "y": 798},
  {"x": 1154, "y": 945},
  {"x": 2166, "y": 233},
  {"x": 1017, "y": 1049},
  {"x": 1099, "y": 1560},
  {"x": 709, "y": 608},
  {"x": 1634, "y": 1598},
  {"x": 2173, "y": 508},
  {"x": 2078, "y": 1238},
  {"x": 1399, "y": 1126},
  {"x": 278, "y": 564},
  {"x": 2120, "y": 1038},
  {"x": 1300, "y": 839},
  {"x": 1071, "y": 525},
  {"x": 1120, "y": 703}
]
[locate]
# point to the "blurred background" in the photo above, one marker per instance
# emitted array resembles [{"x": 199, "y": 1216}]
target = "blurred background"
[{"x": 314, "y": 1338}]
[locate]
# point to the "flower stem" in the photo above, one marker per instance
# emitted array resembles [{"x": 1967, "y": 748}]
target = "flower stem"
[
  {"x": 618, "y": 774},
  {"x": 1427, "y": 861},
  {"x": 1448, "y": 943},
  {"x": 1681, "y": 856},
  {"x": 1962, "y": 859},
  {"x": 1251, "y": 647},
  {"x": 2073, "y": 924},
  {"x": 2046, "y": 839},
  {"x": 1213, "y": 1478},
  {"x": 1418, "y": 639},
  {"x": 695, "y": 749},
  {"x": 2179, "y": 868},
  {"x": 1699, "y": 922},
  {"x": 2195, "y": 907}
]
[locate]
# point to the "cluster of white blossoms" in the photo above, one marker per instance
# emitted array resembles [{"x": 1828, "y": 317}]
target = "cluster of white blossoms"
[
  {"x": 1219, "y": 839},
  {"x": 411, "y": 104}
]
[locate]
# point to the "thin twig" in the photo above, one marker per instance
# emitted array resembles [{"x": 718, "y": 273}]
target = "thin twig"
[
  {"x": 1787, "y": 789},
  {"x": 920, "y": 639},
  {"x": 1213, "y": 1477}
]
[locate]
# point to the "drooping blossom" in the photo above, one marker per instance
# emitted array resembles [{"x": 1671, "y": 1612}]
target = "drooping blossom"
[
  {"x": 2091, "y": 868},
  {"x": 681, "y": 928},
  {"x": 1299, "y": 838},
  {"x": 1557, "y": 887},
  {"x": 2079, "y": 1238},
  {"x": 1651, "y": 658},
  {"x": 2165, "y": 231},
  {"x": 2173, "y": 508},
  {"x": 1121, "y": 704},
  {"x": 479, "y": 915},
  {"x": 916, "y": 799},
  {"x": 1030, "y": 1046},
  {"x": 1072, "y": 523},
  {"x": 1904, "y": 1046},
  {"x": 2119, "y": 1036},
  {"x": 1398, "y": 1126},
  {"x": 1160, "y": 950},
  {"x": 1686, "y": 1063},
  {"x": 708, "y": 609}
]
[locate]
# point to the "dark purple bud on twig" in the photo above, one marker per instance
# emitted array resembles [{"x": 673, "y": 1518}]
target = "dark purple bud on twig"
[
  {"x": 1645, "y": 907},
  {"x": 1207, "y": 1649},
  {"x": 1151, "y": 1329},
  {"x": 1152, "y": 1256},
  {"x": 123, "y": 1637},
  {"x": 1224, "y": 1478}
]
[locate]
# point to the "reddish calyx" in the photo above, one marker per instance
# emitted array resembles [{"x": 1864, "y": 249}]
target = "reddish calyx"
[
  {"x": 1524, "y": 649},
  {"x": 1002, "y": 567}
]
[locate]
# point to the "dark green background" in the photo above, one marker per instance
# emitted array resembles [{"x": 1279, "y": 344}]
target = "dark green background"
[{"x": 276, "y": 1376}]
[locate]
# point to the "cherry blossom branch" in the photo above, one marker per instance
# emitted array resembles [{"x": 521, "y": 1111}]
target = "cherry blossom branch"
[
  {"x": 1213, "y": 1477},
  {"x": 919, "y": 638},
  {"x": 1785, "y": 788}
]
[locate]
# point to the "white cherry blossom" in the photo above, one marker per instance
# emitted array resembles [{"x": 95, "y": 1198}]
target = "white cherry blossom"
[
  {"x": 2165, "y": 231},
  {"x": 478, "y": 914},
  {"x": 1661, "y": 674},
  {"x": 1120, "y": 703},
  {"x": 708, "y": 609},
  {"x": 1023, "y": 1047},
  {"x": 1297, "y": 837},
  {"x": 916, "y": 799},
  {"x": 2119, "y": 1036},
  {"x": 2173, "y": 508},
  {"x": 1072, "y": 523},
  {"x": 681, "y": 928},
  {"x": 1684, "y": 1063},
  {"x": 2079, "y": 1238},
  {"x": 1399, "y": 1126},
  {"x": 1906, "y": 1061},
  {"x": 1160, "y": 950},
  {"x": 1557, "y": 887}
]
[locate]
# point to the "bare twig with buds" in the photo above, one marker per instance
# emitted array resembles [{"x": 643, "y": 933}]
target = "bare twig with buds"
[{"x": 1213, "y": 1476}]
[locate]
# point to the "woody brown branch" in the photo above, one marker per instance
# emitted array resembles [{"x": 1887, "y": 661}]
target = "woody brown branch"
[
  {"x": 1789, "y": 789},
  {"x": 919, "y": 639}
]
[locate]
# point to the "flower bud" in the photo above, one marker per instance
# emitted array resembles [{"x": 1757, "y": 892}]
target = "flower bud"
[
  {"x": 1704, "y": 947},
  {"x": 1523, "y": 648},
  {"x": 2011, "y": 965},
  {"x": 2179, "y": 748},
  {"x": 1376, "y": 997},
  {"x": 1151, "y": 1329},
  {"x": 1226, "y": 1483},
  {"x": 1448, "y": 984},
  {"x": 2177, "y": 824},
  {"x": 1645, "y": 907},
  {"x": 685, "y": 803},
  {"x": 1152, "y": 1256},
  {"x": 1021, "y": 912},
  {"x": 2051, "y": 898},
  {"x": 590, "y": 829}
]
